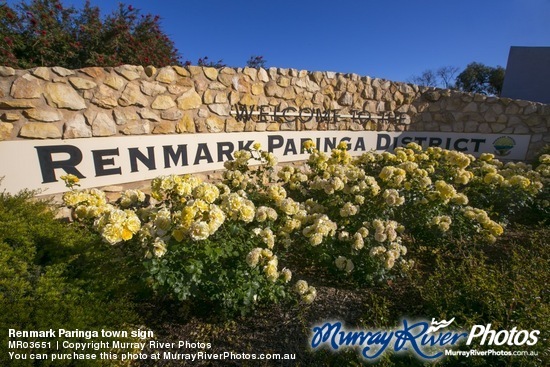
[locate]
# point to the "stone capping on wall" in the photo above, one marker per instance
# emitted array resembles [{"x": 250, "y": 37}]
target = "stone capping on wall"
[{"x": 57, "y": 103}]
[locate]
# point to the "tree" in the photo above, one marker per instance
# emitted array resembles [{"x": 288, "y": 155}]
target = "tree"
[
  {"x": 446, "y": 75},
  {"x": 496, "y": 80},
  {"x": 441, "y": 77},
  {"x": 137, "y": 39},
  {"x": 9, "y": 37},
  {"x": 48, "y": 32},
  {"x": 45, "y": 33},
  {"x": 426, "y": 79},
  {"x": 479, "y": 78}
]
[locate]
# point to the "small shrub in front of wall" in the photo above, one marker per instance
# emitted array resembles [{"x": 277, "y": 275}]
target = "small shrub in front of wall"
[
  {"x": 55, "y": 276},
  {"x": 201, "y": 242},
  {"x": 223, "y": 244}
]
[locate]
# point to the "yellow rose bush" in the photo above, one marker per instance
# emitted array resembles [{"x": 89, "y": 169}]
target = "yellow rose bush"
[
  {"x": 349, "y": 225},
  {"x": 229, "y": 244},
  {"x": 380, "y": 203},
  {"x": 202, "y": 242},
  {"x": 507, "y": 190},
  {"x": 441, "y": 187}
]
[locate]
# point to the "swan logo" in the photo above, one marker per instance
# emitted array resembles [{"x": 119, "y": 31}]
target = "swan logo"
[{"x": 439, "y": 325}]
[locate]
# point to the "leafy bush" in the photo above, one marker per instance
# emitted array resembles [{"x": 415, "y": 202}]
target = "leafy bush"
[
  {"x": 505, "y": 286},
  {"x": 53, "y": 276},
  {"x": 222, "y": 246},
  {"x": 256, "y": 61}
]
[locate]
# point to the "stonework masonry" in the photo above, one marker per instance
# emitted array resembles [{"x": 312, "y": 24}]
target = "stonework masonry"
[{"x": 57, "y": 103}]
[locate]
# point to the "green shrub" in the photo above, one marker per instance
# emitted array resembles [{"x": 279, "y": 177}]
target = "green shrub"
[
  {"x": 506, "y": 286},
  {"x": 50, "y": 278}
]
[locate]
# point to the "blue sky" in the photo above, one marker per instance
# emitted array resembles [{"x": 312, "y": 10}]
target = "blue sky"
[{"x": 390, "y": 39}]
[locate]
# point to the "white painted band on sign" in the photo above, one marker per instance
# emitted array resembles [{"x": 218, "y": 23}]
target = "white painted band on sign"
[{"x": 38, "y": 164}]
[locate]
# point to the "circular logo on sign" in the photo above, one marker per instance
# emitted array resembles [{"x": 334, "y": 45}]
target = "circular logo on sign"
[{"x": 504, "y": 145}]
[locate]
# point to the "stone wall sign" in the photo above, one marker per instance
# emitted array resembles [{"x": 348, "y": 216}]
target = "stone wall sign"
[{"x": 117, "y": 160}]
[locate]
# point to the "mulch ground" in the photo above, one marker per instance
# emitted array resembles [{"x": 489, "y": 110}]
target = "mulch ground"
[{"x": 277, "y": 329}]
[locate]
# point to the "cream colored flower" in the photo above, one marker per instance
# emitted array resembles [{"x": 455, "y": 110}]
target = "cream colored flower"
[
  {"x": 199, "y": 230},
  {"x": 520, "y": 181},
  {"x": 216, "y": 217},
  {"x": 377, "y": 251},
  {"x": 286, "y": 275},
  {"x": 496, "y": 229},
  {"x": 358, "y": 242},
  {"x": 131, "y": 197},
  {"x": 159, "y": 247},
  {"x": 380, "y": 237},
  {"x": 392, "y": 197},
  {"x": 487, "y": 157},
  {"x": 493, "y": 178},
  {"x": 310, "y": 296},
  {"x": 271, "y": 272},
  {"x": 247, "y": 211},
  {"x": 343, "y": 236},
  {"x": 132, "y": 222},
  {"x": 301, "y": 286},
  {"x": 162, "y": 219},
  {"x": 261, "y": 214},
  {"x": 460, "y": 199},
  {"x": 276, "y": 193},
  {"x": 340, "y": 262},
  {"x": 267, "y": 236},
  {"x": 445, "y": 190},
  {"x": 348, "y": 210},
  {"x": 290, "y": 225},
  {"x": 309, "y": 145},
  {"x": 289, "y": 206},
  {"x": 316, "y": 239},
  {"x": 390, "y": 261},
  {"x": 270, "y": 159},
  {"x": 70, "y": 180},
  {"x": 267, "y": 253},
  {"x": 112, "y": 233},
  {"x": 363, "y": 232},
  {"x": 207, "y": 192}
]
